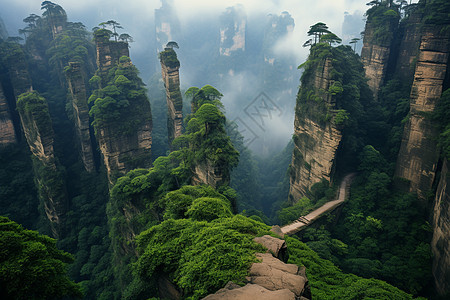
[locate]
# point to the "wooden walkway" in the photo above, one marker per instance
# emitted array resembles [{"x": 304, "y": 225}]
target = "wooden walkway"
[{"x": 304, "y": 221}]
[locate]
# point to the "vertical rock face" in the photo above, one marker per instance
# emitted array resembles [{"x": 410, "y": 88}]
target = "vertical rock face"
[
  {"x": 125, "y": 152},
  {"x": 77, "y": 89},
  {"x": 123, "y": 149},
  {"x": 315, "y": 144},
  {"x": 440, "y": 244},
  {"x": 232, "y": 30},
  {"x": 209, "y": 174},
  {"x": 7, "y": 132},
  {"x": 18, "y": 73},
  {"x": 171, "y": 77},
  {"x": 418, "y": 156},
  {"x": 375, "y": 54},
  {"x": 39, "y": 134},
  {"x": 37, "y": 126},
  {"x": 409, "y": 48},
  {"x": 108, "y": 55}
]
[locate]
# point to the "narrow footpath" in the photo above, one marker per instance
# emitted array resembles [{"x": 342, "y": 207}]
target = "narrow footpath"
[{"x": 304, "y": 221}]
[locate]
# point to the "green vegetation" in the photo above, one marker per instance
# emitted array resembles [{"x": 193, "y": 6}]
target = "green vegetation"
[
  {"x": 118, "y": 105},
  {"x": 169, "y": 58},
  {"x": 187, "y": 234},
  {"x": 31, "y": 266},
  {"x": 18, "y": 195},
  {"x": 329, "y": 282},
  {"x": 205, "y": 140},
  {"x": 34, "y": 112},
  {"x": 344, "y": 101},
  {"x": 198, "y": 256},
  {"x": 382, "y": 19}
]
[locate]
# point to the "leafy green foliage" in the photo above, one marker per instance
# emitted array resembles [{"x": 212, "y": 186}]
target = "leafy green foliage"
[
  {"x": 205, "y": 140},
  {"x": 119, "y": 104},
  {"x": 27, "y": 260},
  {"x": 169, "y": 58},
  {"x": 437, "y": 12},
  {"x": 206, "y": 94},
  {"x": 300, "y": 208},
  {"x": 244, "y": 177},
  {"x": 18, "y": 195},
  {"x": 34, "y": 109},
  {"x": 328, "y": 282},
  {"x": 200, "y": 257},
  {"x": 177, "y": 203},
  {"x": 381, "y": 18},
  {"x": 208, "y": 209}
]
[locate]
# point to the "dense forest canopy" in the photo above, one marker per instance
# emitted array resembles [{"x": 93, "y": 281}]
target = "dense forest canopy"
[{"x": 88, "y": 166}]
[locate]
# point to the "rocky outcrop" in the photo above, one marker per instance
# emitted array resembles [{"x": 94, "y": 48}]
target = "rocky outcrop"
[
  {"x": 108, "y": 55},
  {"x": 38, "y": 130},
  {"x": 418, "y": 156},
  {"x": 409, "y": 47},
  {"x": 18, "y": 72},
  {"x": 273, "y": 274},
  {"x": 80, "y": 107},
  {"x": 123, "y": 152},
  {"x": 7, "y": 131},
  {"x": 440, "y": 243},
  {"x": 376, "y": 50},
  {"x": 250, "y": 291},
  {"x": 270, "y": 278},
  {"x": 122, "y": 149},
  {"x": 315, "y": 144},
  {"x": 171, "y": 77},
  {"x": 276, "y": 247},
  {"x": 209, "y": 174}
]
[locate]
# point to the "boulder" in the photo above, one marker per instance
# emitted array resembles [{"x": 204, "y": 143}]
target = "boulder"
[
  {"x": 276, "y": 246},
  {"x": 251, "y": 291},
  {"x": 273, "y": 274}
]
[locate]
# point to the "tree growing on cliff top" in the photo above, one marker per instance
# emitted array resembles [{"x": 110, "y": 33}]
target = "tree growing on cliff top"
[
  {"x": 330, "y": 38},
  {"x": 317, "y": 30},
  {"x": 172, "y": 45}
]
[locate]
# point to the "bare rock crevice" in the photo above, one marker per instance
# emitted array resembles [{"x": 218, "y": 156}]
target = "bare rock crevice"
[{"x": 77, "y": 88}]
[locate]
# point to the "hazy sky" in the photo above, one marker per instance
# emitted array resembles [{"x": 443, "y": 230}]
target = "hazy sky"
[
  {"x": 137, "y": 15},
  {"x": 137, "y": 18}
]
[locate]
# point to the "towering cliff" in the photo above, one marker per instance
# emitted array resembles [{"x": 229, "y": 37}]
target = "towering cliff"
[
  {"x": 37, "y": 126},
  {"x": 382, "y": 22},
  {"x": 315, "y": 140},
  {"x": 171, "y": 77},
  {"x": 108, "y": 53},
  {"x": 121, "y": 110},
  {"x": 19, "y": 75},
  {"x": 331, "y": 103},
  {"x": 211, "y": 154},
  {"x": 409, "y": 34},
  {"x": 7, "y": 131},
  {"x": 77, "y": 87},
  {"x": 419, "y": 155}
]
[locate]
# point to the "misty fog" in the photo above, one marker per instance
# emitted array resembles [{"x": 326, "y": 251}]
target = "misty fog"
[{"x": 257, "y": 75}]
